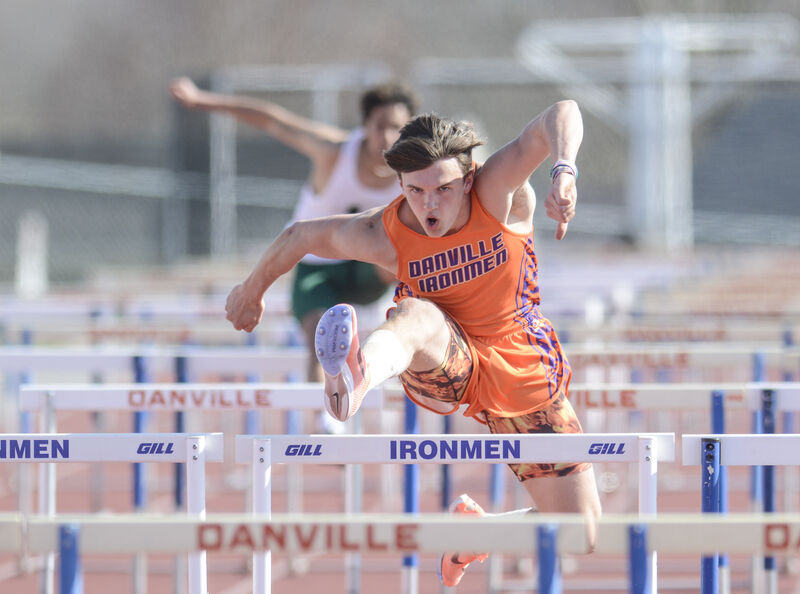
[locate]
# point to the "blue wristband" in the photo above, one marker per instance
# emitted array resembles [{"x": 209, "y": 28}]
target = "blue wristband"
[{"x": 562, "y": 165}]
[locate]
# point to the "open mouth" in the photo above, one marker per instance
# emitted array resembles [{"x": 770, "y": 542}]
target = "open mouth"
[{"x": 431, "y": 222}]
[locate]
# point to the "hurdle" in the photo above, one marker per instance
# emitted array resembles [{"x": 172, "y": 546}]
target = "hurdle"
[
  {"x": 715, "y": 450},
  {"x": 180, "y": 396},
  {"x": 47, "y": 399},
  {"x": 277, "y": 361},
  {"x": 125, "y": 307},
  {"x": 192, "y": 449},
  {"x": 761, "y": 332},
  {"x": 675, "y": 396},
  {"x": 392, "y": 534},
  {"x": 263, "y": 451},
  {"x": 716, "y": 397},
  {"x": 128, "y": 362},
  {"x": 682, "y": 358},
  {"x": 173, "y": 397},
  {"x": 271, "y": 331}
]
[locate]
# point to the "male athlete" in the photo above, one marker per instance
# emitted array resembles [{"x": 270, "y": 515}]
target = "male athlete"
[
  {"x": 467, "y": 329},
  {"x": 348, "y": 174}
]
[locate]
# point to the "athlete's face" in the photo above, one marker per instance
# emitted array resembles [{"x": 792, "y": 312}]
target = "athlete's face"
[
  {"x": 438, "y": 196},
  {"x": 382, "y": 127}
]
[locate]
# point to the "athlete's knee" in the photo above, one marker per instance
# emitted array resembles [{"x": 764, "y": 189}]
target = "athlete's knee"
[
  {"x": 422, "y": 313},
  {"x": 414, "y": 306},
  {"x": 424, "y": 329}
]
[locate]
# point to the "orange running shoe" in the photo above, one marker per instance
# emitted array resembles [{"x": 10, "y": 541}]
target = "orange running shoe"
[
  {"x": 339, "y": 353},
  {"x": 453, "y": 565}
]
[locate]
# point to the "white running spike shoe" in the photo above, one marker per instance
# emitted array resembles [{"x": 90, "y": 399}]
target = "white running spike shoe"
[{"x": 339, "y": 353}]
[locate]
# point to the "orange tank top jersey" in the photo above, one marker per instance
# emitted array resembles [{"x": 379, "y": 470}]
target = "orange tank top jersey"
[{"x": 485, "y": 277}]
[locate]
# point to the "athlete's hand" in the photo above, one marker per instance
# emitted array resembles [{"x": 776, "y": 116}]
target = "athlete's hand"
[
  {"x": 244, "y": 308},
  {"x": 185, "y": 91},
  {"x": 560, "y": 203}
]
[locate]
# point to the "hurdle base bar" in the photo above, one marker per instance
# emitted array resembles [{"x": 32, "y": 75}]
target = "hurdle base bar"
[
  {"x": 397, "y": 534},
  {"x": 777, "y": 535}
]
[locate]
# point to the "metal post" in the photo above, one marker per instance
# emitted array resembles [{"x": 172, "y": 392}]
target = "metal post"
[
  {"x": 757, "y": 473},
  {"x": 182, "y": 376},
  {"x": 354, "y": 488},
  {"x": 638, "y": 559},
  {"x": 497, "y": 495},
  {"x": 139, "y": 481},
  {"x": 98, "y": 426},
  {"x": 549, "y": 576},
  {"x": 294, "y": 472},
  {"x": 262, "y": 509},
  {"x": 789, "y": 472},
  {"x": 196, "y": 507},
  {"x": 648, "y": 493},
  {"x": 447, "y": 487},
  {"x": 252, "y": 418},
  {"x": 25, "y": 474},
  {"x": 70, "y": 573},
  {"x": 710, "y": 454},
  {"x": 139, "y": 423},
  {"x": 718, "y": 428},
  {"x": 410, "y": 575},
  {"x": 47, "y": 494},
  {"x": 768, "y": 416}
]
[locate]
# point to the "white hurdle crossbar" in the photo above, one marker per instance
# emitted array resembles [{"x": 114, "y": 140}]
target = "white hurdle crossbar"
[
  {"x": 192, "y": 449},
  {"x": 263, "y": 451}
]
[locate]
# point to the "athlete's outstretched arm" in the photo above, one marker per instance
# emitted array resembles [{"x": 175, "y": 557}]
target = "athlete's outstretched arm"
[
  {"x": 347, "y": 237},
  {"x": 317, "y": 141},
  {"x": 557, "y": 132}
]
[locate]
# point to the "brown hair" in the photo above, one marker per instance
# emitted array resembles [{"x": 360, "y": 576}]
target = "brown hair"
[
  {"x": 428, "y": 138},
  {"x": 388, "y": 94}
]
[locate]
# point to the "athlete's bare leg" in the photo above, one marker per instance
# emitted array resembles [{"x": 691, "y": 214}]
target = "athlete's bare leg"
[
  {"x": 415, "y": 337},
  {"x": 574, "y": 493},
  {"x": 309, "y": 326}
]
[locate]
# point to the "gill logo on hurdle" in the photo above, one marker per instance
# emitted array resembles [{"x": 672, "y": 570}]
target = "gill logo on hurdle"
[
  {"x": 304, "y": 449},
  {"x": 610, "y": 447},
  {"x": 157, "y": 447}
]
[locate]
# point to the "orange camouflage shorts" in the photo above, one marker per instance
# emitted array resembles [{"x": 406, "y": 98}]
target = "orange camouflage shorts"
[{"x": 445, "y": 385}]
